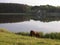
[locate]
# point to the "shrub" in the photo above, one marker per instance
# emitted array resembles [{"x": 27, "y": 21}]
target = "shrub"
[{"x": 23, "y": 33}]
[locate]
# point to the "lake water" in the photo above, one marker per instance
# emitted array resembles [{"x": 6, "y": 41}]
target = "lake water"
[{"x": 26, "y": 26}]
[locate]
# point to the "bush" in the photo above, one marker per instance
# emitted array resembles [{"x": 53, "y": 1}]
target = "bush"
[
  {"x": 52, "y": 35},
  {"x": 23, "y": 33},
  {"x": 41, "y": 34}
]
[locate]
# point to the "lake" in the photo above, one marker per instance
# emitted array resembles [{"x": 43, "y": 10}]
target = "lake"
[{"x": 26, "y": 26}]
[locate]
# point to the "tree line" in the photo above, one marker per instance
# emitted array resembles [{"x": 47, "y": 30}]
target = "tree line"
[{"x": 23, "y": 8}]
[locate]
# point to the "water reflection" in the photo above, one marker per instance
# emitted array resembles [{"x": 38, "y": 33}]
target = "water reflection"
[
  {"x": 19, "y": 18},
  {"x": 26, "y": 26},
  {"x": 13, "y": 18}
]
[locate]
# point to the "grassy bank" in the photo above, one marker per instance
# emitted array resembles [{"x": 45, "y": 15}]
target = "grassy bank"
[{"x": 7, "y": 38}]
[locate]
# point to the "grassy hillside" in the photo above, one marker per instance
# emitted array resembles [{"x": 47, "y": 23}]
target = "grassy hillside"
[{"x": 7, "y": 38}]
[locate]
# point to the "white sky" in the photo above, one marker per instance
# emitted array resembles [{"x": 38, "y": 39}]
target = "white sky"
[{"x": 34, "y": 2}]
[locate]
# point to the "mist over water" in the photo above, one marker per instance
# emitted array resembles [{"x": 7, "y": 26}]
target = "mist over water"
[{"x": 26, "y": 26}]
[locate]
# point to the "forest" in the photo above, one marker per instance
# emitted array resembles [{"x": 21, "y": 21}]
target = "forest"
[
  {"x": 30, "y": 12},
  {"x": 23, "y": 8}
]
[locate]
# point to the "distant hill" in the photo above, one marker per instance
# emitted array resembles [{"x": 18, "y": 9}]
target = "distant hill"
[{"x": 12, "y": 8}]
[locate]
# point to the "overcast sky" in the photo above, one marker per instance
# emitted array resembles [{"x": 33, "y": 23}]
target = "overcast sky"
[{"x": 34, "y": 2}]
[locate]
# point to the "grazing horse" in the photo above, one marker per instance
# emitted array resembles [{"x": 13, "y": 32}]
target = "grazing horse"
[{"x": 33, "y": 33}]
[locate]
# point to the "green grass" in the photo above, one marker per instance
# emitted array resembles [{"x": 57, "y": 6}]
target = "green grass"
[{"x": 13, "y": 39}]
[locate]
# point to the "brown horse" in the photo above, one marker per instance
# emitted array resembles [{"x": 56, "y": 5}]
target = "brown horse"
[{"x": 33, "y": 33}]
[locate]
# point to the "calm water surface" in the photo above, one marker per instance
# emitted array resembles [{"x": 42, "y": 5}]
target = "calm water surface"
[{"x": 26, "y": 26}]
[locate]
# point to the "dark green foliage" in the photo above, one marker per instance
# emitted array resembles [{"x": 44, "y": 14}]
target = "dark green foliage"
[
  {"x": 21, "y": 8},
  {"x": 52, "y": 35},
  {"x": 47, "y": 8},
  {"x": 42, "y": 35},
  {"x": 46, "y": 35},
  {"x": 23, "y": 33},
  {"x": 13, "y": 8}
]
